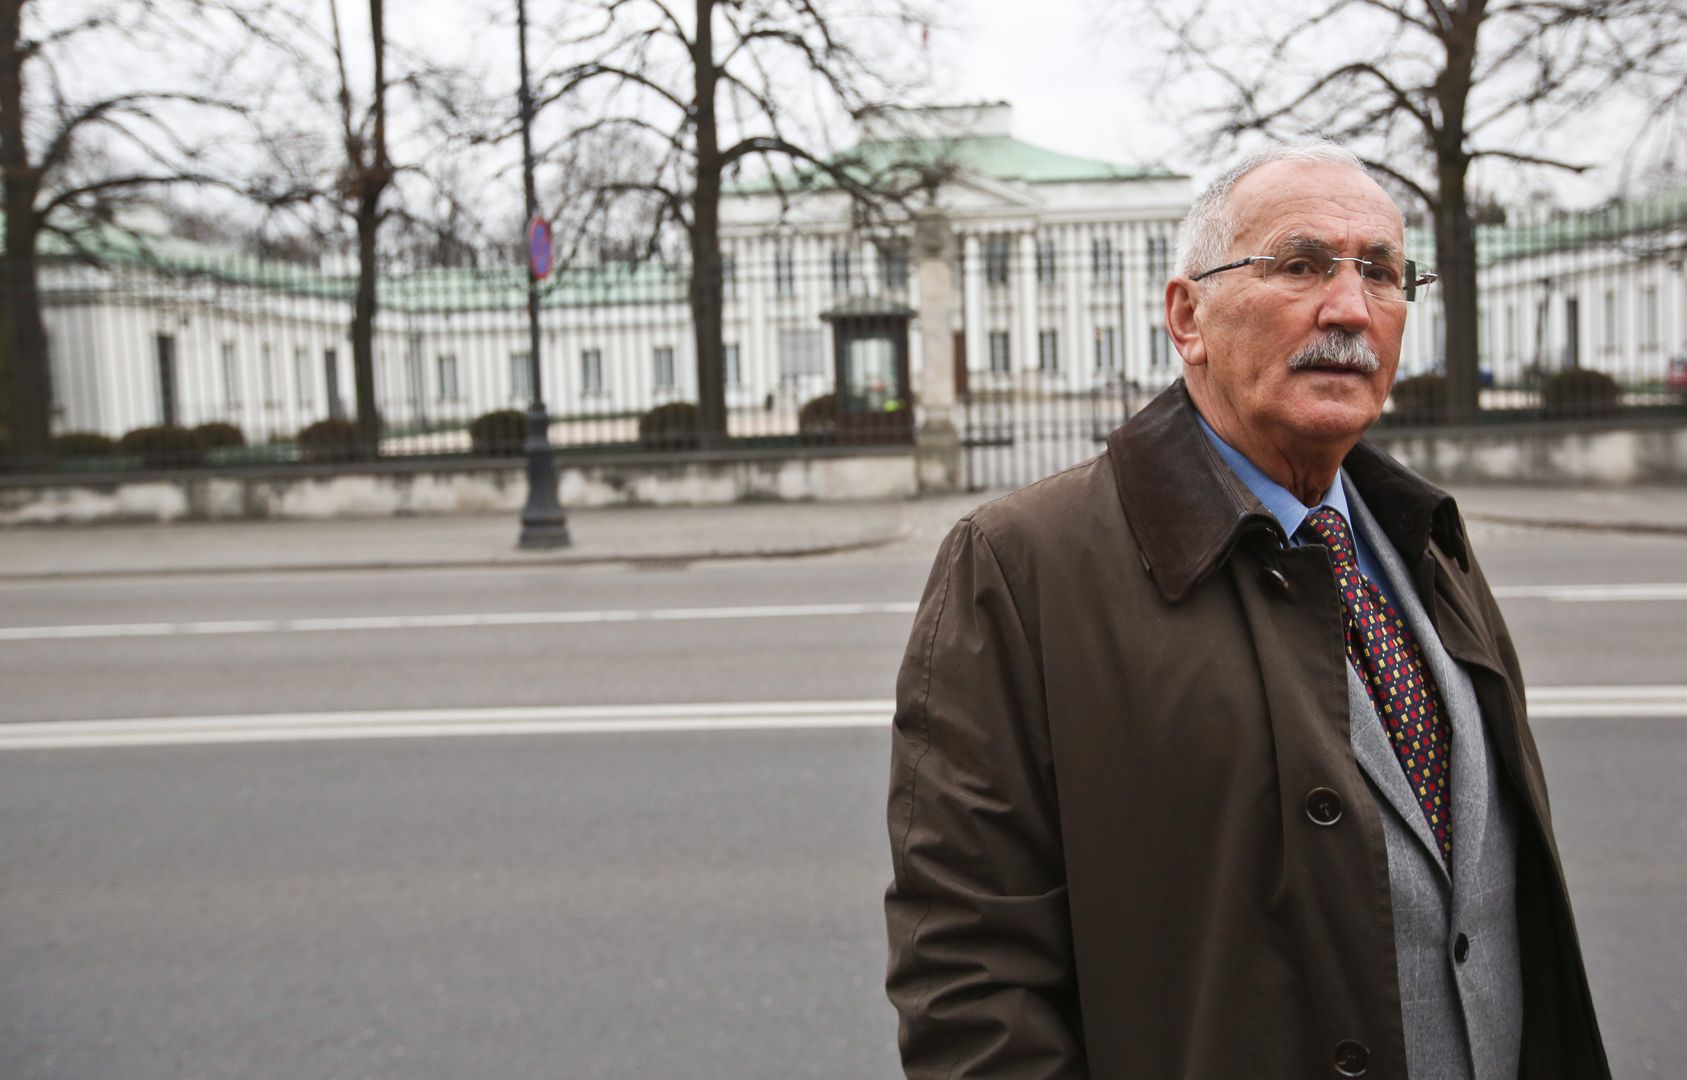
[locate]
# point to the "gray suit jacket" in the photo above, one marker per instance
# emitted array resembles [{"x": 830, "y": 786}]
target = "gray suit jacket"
[{"x": 1463, "y": 1017}]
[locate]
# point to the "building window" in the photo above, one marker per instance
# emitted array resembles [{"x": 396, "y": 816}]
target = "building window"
[
  {"x": 1000, "y": 358},
  {"x": 303, "y": 382},
  {"x": 267, "y": 373},
  {"x": 1159, "y": 348},
  {"x": 728, "y": 276},
  {"x": 1046, "y": 275},
  {"x": 801, "y": 352},
  {"x": 1613, "y": 328},
  {"x": 1649, "y": 335},
  {"x": 445, "y": 366},
  {"x": 996, "y": 259},
  {"x": 1048, "y": 350},
  {"x": 729, "y": 364},
  {"x": 840, "y": 270},
  {"x": 1158, "y": 265},
  {"x": 893, "y": 259},
  {"x": 591, "y": 371},
  {"x": 331, "y": 379},
  {"x": 231, "y": 377},
  {"x": 1106, "y": 349},
  {"x": 1101, "y": 260},
  {"x": 784, "y": 275},
  {"x": 663, "y": 369},
  {"x": 521, "y": 376}
]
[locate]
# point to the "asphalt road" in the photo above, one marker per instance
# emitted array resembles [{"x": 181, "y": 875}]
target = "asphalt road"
[{"x": 685, "y": 894}]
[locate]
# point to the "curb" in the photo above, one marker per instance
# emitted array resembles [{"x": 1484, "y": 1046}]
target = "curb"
[{"x": 664, "y": 561}]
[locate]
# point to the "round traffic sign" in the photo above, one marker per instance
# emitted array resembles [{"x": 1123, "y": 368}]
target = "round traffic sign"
[{"x": 539, "y": 248}]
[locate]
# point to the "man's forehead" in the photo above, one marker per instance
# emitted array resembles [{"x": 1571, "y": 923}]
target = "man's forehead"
[{"x": 1325, "y": 205}]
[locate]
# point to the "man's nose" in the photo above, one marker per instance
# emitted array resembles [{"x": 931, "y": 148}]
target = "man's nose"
[{"x": 1345, "y": 304}]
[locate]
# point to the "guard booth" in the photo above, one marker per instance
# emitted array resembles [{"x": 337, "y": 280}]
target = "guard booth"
[{"x": 874, "y": 397}]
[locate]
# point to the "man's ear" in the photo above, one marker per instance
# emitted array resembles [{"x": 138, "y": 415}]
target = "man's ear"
[{"x": 1182, "y": 298}]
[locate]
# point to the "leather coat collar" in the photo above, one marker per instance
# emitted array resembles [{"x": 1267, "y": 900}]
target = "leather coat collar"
[{"x": 1188, "y": 511}]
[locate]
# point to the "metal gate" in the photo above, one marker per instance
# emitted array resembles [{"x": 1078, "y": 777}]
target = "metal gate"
[{"x": 1015, "y": 431}]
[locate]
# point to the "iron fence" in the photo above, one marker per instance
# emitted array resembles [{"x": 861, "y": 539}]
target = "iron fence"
[
  {"x": 1580, "y": 316},
  {"x": 164, "y": 353},
  {"x": 167, "y": 353}
]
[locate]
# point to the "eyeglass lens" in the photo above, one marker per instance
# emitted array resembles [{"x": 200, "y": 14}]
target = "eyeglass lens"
[{"x": 1300, "y": 270}]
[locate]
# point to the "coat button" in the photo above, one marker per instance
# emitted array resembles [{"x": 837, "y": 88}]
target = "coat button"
[
  {"x": 1274, "y": 577},
  {"x": 1461, "y": 948},
  {"x": 1323, "y": 806},
  {"x": 1351, "y": 1058}
]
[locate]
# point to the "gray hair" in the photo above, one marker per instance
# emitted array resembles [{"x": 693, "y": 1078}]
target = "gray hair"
[{"x": 1210, "y": 227}]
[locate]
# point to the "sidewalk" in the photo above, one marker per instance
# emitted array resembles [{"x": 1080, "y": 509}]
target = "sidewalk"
[
  {"x": 640, "y": 535},
  {"x": 662, "y": 535}
]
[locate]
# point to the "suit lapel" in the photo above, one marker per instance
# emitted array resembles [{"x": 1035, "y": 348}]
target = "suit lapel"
[
  {"x": 1468, "y": 766},
  {"x": 1377, "y": 758}
]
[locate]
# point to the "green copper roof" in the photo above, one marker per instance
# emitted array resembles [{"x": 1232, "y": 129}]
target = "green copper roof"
[
  {"x": 431, "y": 291},
  {"x": 999, "y": 157},
  {"x": 1656, "y": 214}
]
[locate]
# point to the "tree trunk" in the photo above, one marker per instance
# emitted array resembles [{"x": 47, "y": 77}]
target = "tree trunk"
[
  {"x": 1455, "y": 246},
  {"x": 363, "y": 327},
  {"x": 706, "y": 285},
  {"x": 25, "y": 380},
  {"x": 1455, "y": 234}
]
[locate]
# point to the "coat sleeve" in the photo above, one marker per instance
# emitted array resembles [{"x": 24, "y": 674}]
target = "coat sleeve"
[{"x": 981, "y": 963}]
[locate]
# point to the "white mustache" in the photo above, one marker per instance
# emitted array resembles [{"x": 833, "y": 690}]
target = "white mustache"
[{"x": 1337, "y": 349}]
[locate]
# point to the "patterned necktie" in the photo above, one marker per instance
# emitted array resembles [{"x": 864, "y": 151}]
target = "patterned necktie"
[{"x": 1383, "y": 652}]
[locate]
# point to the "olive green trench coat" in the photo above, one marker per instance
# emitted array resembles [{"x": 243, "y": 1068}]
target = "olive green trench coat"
[{"x": 1119, "y": 689}]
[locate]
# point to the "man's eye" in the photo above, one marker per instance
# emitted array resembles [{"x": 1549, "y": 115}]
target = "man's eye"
[
  {"x": 1298, "y": 267},
  {"x": 1383, "y": 275}
]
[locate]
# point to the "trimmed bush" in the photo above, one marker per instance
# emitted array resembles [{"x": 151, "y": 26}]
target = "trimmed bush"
[
  {"x": 669, "y": 427},
  {"x": 164, "y": 447},
  {"x": 219, "y": 436},
  {"x": 328, "y": 440},
  {"x": 1421, "y": 399},
  {"x": 83, "y": 444},
  {"x": 1578, "y": 393},
  {"x": 818, "y": 416},
  {"x": 499, "y": 433}
]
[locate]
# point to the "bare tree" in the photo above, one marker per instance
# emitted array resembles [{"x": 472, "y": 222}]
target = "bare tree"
[
  {"x": 68, "y": 156},
  {"x": 321, "y": 184},
  {"x": 706, "y": 90},
  {"x": 1425, "y": 90}
]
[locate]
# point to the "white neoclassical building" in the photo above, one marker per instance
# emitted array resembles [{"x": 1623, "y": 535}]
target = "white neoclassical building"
[{"x": 1060, "y": 260}]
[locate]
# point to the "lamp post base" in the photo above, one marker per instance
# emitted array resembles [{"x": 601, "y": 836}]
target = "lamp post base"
[{"x": 544, "y": 524}]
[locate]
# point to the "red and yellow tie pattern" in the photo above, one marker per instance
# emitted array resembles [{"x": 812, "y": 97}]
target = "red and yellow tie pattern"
[{"x": 1381, "y": 648}]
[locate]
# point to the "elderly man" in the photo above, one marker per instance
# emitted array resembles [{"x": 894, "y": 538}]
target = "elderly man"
[{"x": 1210, "y": 754}]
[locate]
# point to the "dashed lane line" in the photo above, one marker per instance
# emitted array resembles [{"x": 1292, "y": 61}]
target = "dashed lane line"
[
  {"x": 1570, "y": 594},
  {"x": 448, "y": 621}
]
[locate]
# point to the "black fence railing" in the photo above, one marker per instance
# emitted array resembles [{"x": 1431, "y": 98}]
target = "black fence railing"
[
  {"x": 166, "y": 353},
  {"x": 1062, "y": 330}
]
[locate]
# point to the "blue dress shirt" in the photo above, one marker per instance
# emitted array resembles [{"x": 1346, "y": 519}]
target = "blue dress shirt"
[{"x": 1290, "y": 511}]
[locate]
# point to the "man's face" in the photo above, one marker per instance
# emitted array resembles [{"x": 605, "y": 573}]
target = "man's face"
[{"x": 1246, "y": 330}]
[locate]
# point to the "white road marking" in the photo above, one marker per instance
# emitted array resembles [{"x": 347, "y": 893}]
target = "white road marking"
[
  {"x": 1589, "y": 702},
  {"x": 1571, "y": 594},
  {"x": 1593, "y": 594},
  {"x": 1608, "y": 702},
  {"x": 438, "y": 723},
  {"x": 451, "y": 621}
]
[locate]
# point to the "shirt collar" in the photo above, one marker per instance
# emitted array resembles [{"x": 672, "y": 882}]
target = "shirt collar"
[{"x": 1284, "y": 505}]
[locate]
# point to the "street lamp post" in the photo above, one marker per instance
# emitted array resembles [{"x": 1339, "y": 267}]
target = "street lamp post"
[{"x": 543, "y": 522}]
